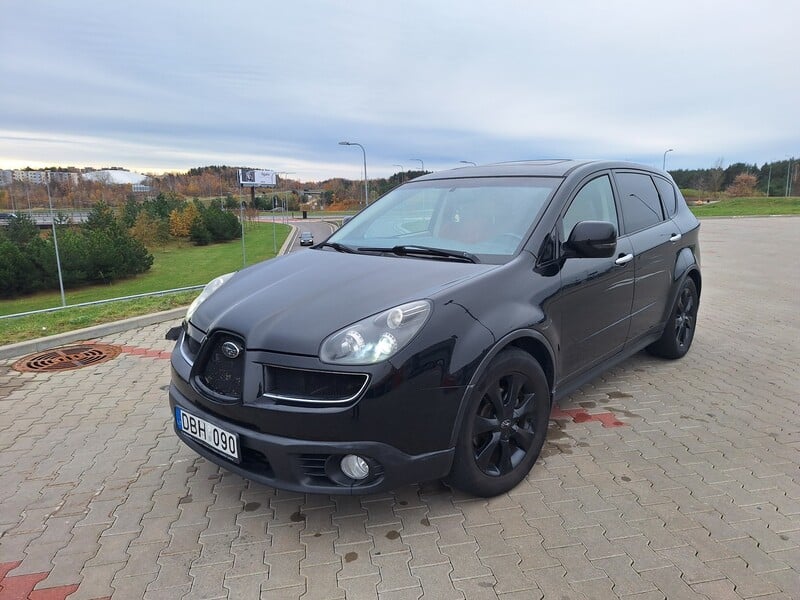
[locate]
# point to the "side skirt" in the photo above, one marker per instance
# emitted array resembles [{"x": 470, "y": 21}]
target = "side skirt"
[{"x": 565, "y": 388}]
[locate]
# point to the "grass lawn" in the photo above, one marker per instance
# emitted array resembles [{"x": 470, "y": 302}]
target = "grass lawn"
[
  {"x": 177, "y": 265},
  {"x": 740, "y": 207}
]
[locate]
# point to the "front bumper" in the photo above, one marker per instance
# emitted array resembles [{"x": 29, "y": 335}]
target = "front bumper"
[{"x": 312, "y": 466}]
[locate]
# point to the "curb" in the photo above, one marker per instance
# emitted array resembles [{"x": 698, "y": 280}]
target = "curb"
[{"x": 88, "y": 333}]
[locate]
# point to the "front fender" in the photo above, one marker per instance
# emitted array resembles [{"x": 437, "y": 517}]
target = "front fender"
[{"x": 521, "y": 338}]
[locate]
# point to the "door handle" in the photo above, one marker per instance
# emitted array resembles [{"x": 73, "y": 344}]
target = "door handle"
[
  {"x": 624, "y": 260},
  {"x": 675, "y": 237}
]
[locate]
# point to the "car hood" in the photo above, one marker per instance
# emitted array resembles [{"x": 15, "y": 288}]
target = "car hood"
[{"x": 292, "y": 303}]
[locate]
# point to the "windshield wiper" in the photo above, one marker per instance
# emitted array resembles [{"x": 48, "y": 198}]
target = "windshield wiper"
[
  {"x": 426, "y": 251},
  {"x": 336, "y": 246}
]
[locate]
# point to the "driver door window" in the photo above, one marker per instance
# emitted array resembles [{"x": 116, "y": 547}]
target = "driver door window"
[{"x": 594, "y": 202}]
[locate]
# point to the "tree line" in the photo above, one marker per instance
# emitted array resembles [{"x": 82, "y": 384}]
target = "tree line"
[
  {"x": 100, "y": 250},
  {"x": 718, "y": 178},
  {"x": 110, "y": 245}
]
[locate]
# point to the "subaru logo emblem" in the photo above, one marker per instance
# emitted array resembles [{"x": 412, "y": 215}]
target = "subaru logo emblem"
[{"x": 230, "y": 350}]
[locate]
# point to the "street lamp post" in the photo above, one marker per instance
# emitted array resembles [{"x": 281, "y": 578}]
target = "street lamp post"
[
  {"x": 664, "y": 160},
  {"x": 241, "y": 221},
  {"x": 55, "y": 242},
  {"x": 468, "y": 162},
  {"x": 366, "y": 184},
  {"x": 421, "y": 164},
  {"x": 402, "y": 171},
  {"x": 285, "y": 201},
  {"x": 769, "y": 178}
]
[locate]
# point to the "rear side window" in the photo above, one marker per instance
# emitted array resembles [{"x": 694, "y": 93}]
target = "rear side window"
[
  {"x": 667, "y": 193},
  {"x": 639, "y": 201}
]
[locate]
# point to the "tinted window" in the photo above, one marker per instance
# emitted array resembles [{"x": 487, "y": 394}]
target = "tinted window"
[
  {"x": 490, "y": 217},
  {"x": 594, "y": 202},
  {"x": 667, "y": 193},
  {"x": 639, "y": 201}
]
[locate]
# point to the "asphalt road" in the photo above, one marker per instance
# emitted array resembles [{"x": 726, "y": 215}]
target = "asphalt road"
[{"x": 320, "y": 229}]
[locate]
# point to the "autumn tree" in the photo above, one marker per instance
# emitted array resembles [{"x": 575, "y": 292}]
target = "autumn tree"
[
  {"x": 149, "y": 230},
  {"x": 181, "y": 221},
  {"x": 743, "y": 185}
]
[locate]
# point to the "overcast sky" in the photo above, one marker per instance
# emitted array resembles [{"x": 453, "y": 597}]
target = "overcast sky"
[{"x": 170, "y": 85}]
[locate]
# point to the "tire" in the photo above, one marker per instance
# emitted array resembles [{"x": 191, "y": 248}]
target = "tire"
[
  {"x": 678, "y": 333},
  {"x": 505, "y": 425}
]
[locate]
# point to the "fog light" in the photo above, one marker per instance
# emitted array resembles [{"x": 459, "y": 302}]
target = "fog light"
[{"x": 354, "y": 467}]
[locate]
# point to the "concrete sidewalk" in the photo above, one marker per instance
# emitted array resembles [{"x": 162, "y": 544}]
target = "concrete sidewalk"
[{"x": 659, "y": 480}]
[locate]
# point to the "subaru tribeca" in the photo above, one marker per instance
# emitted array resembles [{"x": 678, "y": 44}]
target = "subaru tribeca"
[{"x": 429, "y": 336}]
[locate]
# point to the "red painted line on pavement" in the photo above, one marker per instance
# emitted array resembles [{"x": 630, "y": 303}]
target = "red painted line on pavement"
[
  {"x": 20, "y": 587},
  {"x": 54, "y": 593},
  {"x": 17, "y": 587},
  {"x": 146, "y": 352},
  {"x": 579, "y": 415},
  {"x": 138, "y": 351},
  {"x": 6, "y": 567}
]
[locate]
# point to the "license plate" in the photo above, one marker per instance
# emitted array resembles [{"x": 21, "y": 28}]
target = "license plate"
[{"x": 216, "y": 438}]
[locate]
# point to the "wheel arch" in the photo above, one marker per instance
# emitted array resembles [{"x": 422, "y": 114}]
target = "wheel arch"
[
  {"x": 694, "y": 273},
  {"x": 529, "y": 341},
  {"x": 686, "y": 264}
]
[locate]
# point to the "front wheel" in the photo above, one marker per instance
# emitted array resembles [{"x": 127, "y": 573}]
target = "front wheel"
[
  {"x": 678, "y": 334},
  {"x": 504, "y": 426}
]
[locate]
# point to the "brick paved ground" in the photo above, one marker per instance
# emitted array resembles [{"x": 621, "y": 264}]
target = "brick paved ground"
[{"x": 689, "y": 488}]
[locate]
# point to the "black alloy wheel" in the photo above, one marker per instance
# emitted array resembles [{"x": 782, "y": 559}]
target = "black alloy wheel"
[
  {"x": 684, "y": 318},
  {"x": 504, "y": 427},
  {"x": 678, "y": 334}
]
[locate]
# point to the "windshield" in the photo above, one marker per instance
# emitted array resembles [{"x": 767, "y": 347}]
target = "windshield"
[{"x": 486, "y": 217}]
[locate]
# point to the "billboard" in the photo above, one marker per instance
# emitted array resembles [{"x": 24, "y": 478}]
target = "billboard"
[{"x": 257, "y": 178}]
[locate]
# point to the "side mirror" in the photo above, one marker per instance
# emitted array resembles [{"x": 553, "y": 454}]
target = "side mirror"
[{"x": 592, "y": 239}]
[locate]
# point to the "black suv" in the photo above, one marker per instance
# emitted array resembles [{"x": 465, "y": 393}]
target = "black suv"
[{"x": 429, "y": 336}]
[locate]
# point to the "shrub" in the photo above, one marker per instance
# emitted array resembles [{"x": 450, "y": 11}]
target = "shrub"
[
  {"x": 99, "y": 250},
  {"x": 200, "y": 234},
  {"x": 743, "y": 184}
]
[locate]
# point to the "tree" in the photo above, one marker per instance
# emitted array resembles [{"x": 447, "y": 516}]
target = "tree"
[
  {"x": 715, "y": 176},
  {"x": 101, "y": 217},
  {"x": 222, "y": 226},
  {"x": 181, "y": 221},
  {"x": 149, "y": 230},
  {"x": 21, "y": 229},
  {"x": 130, "y": 211},
  {"x": 743, "y": 185},
  {"x": 200, "y": 234},
  {"x": 17, "y": 274}
]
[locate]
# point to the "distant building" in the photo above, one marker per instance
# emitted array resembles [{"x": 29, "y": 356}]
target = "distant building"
[
  {"x": 139, "y": 188},
  {"x": 6, "y": 176},
  {"x": 35, "y": 177},
  {"x": 41, "y": 177},
  {"x": 64, "y": 177}
]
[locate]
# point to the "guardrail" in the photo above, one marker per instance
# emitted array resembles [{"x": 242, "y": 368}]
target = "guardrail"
[{"x": 106, "y": 301}]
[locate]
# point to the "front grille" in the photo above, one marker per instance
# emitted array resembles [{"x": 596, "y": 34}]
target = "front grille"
[
  {"x": 313, "y": 466},
  {"x": 301, "y": 385},
  {"x": 220, "y": 374}
]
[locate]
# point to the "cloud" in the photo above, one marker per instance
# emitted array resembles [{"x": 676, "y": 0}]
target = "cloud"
[{"x": 180, "y": 84}]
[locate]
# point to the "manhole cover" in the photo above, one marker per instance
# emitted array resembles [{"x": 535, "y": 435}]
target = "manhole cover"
[{"x": 67, "y": 358}]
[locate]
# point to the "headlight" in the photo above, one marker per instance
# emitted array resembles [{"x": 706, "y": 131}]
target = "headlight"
[
  {"x": 376, "y": 338},
  {"x": 211, "y": 287}
]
